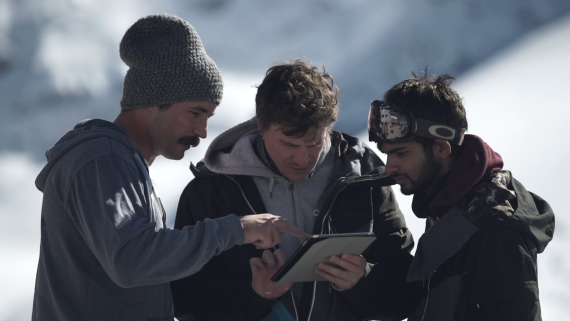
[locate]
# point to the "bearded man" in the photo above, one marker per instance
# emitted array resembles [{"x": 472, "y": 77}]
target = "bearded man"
[{"x": 477, "y": 259}]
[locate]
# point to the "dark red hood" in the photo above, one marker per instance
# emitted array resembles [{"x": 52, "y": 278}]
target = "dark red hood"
[{"x": 477, "y": 161}]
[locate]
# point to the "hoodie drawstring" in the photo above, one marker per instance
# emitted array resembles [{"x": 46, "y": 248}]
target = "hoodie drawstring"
[{"x": 271, "y": 182}]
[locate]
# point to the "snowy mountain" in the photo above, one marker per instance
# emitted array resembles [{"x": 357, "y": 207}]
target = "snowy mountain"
[
  {"x": 59, "y": 64},
  {"x": 59, "y": 59}
]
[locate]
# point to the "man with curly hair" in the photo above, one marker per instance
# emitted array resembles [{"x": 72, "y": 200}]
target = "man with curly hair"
[
  {"x": 477, "y": 259},
  {"x": 287, "y": 160}
]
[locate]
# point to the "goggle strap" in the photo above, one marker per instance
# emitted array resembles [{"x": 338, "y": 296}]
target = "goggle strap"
[{"x": 435, "y": 130}]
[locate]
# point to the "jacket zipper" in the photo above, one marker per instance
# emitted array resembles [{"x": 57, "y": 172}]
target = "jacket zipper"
[
  {"x": 329, "y": 209},
  {"x": 322, "y": 228},
  {"x": 427, "y": 299},
  {"x": 334, "y": 199},
  {"x": 295, "y": 220}
]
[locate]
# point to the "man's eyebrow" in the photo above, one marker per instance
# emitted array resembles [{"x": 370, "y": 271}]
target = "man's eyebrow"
[
  {"x": 203, "y": 110},
  {"x": 288, "y": 143},
  {"x": 395, "y": 150}
]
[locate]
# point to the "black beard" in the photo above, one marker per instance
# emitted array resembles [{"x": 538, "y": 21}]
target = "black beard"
[
  {"x": 192, "y": 141},
  {"x": 428, "y": 175}
]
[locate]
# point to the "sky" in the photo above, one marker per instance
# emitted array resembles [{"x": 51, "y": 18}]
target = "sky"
[{"x": 505, "y": 95}]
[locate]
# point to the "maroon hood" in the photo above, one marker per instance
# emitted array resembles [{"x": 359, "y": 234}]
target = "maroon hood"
[{"x": 477, "y": 161}]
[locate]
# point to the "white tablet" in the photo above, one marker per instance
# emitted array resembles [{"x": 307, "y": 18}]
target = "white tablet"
[{"x": 317, "y": 249}]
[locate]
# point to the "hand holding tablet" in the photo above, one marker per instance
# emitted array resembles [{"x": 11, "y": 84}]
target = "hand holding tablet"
[
  {"x": 348, "y": 271},
  {"x": 317, "y": 249}
]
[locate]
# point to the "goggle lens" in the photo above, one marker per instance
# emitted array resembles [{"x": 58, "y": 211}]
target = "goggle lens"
[
  {"x": 393, "y": 123},
  {"x": 389, "y": 122}
]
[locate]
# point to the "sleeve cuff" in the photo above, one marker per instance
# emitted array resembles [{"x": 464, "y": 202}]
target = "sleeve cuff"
[{"x": 230, "y": 228}]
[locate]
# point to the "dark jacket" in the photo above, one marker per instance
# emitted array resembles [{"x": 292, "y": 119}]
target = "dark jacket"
[
  {"x": 477, "y": 259},
  {"x": 223, "y": 291}
]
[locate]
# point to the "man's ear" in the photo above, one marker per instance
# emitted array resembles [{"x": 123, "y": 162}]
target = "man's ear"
[{"x": 441, "y": 148}]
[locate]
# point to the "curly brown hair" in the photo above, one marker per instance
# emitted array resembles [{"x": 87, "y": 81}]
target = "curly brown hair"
[{"x": 298, "y": 97}]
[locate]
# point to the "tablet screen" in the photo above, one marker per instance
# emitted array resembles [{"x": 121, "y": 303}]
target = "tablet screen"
[{"x": 317, "y": 249}]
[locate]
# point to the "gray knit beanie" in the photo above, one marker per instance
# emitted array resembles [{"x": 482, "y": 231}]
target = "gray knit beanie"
[{"x": 168, "y": 64}]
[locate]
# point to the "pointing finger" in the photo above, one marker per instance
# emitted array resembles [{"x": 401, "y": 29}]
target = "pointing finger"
[{"x": 286, "y": 227}]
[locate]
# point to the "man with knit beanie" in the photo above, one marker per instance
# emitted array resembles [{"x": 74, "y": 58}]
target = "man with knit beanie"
[
  {"x": 477, "y": 259},
  {"x": 105, "y": 251}
]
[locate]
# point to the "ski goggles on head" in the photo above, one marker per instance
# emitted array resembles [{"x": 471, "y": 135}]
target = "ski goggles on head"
[{"x": 392, "y": 124}]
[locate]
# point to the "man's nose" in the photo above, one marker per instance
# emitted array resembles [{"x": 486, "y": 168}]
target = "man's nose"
[
  {"x": 302, "y": 157},
  {"x": 201, "y": 130},
  {"x": 391, "y": 166}
]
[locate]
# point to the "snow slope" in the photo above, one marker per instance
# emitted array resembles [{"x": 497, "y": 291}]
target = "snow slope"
[
  {"x": 60, "y": 66},
  {"x": 59, "y": 59}
]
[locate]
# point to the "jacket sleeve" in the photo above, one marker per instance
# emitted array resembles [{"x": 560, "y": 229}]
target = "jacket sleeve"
[
  {"x": 222, "y": 289},
  {"x": 110, "y": 208},
  {"x": 382, "y": 293},
  {"x": 502, "y": 276}
]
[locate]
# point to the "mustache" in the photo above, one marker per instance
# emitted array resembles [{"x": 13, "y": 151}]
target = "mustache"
[
  {"x": 189, "y": 140},
  {"x": 396, "y": 175}
]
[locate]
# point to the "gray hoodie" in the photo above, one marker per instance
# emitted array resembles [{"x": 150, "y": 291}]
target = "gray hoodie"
[
  {"x": 105, "y": 253},
  {"x": 297, "y": 202}
]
